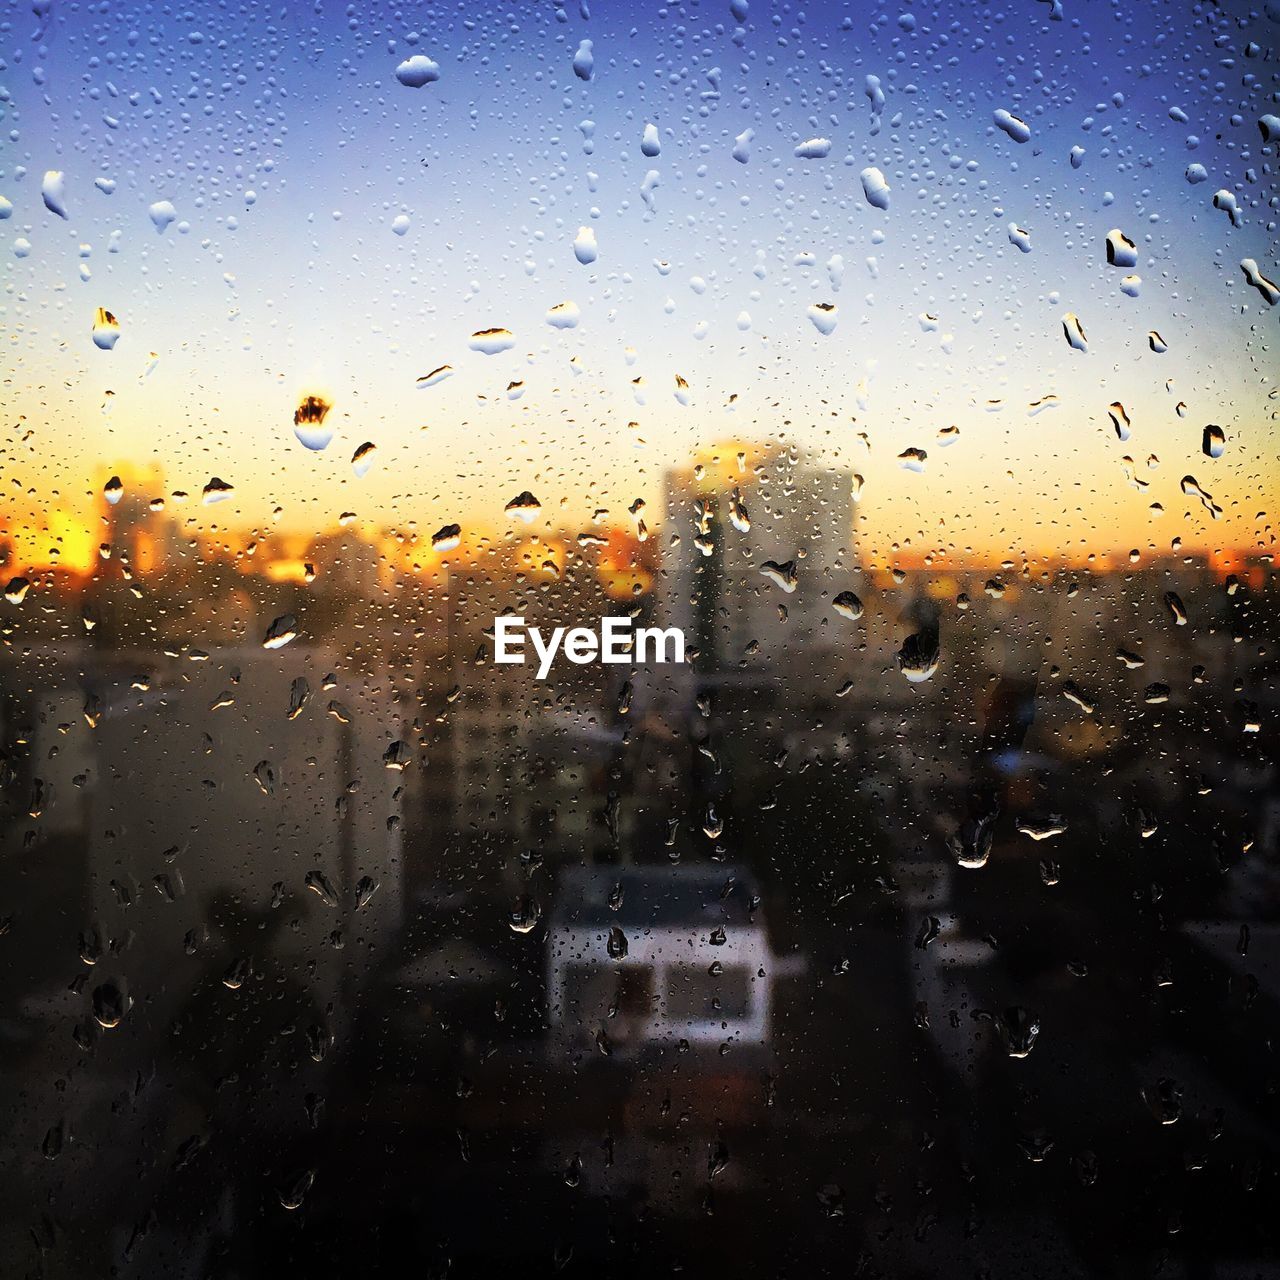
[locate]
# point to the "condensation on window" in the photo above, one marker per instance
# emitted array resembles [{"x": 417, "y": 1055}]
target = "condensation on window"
[{"x": 639, "y": 639}]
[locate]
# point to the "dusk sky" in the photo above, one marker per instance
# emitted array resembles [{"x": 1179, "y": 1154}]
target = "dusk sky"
[{"x": 288, "y": 148}]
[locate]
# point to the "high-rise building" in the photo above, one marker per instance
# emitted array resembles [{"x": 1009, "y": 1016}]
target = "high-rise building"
[
  {"x": 136, "y": 525},
  {"x": 758, "y": 541}
]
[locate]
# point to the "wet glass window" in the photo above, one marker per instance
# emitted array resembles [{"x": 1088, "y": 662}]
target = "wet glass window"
[{"x": 639, "y": 639}]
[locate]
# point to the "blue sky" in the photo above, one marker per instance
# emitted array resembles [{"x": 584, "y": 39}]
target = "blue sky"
[{"x": 288, "y": 148}]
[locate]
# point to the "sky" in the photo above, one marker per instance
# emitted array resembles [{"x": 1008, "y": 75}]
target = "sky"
[{"x": 289, "y": 149}]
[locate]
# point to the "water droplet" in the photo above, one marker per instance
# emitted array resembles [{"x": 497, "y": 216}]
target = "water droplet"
[
  {"x": 1074, "y": 332},
  {"x": 585, "y": 248},
  {"x": 847, "y": 605},
  {"x": 1019, "y": 1029},
  {"x": 162, "y": 213},
  {"x": 781, "y": 575},
  {"x": 971, "y": 844},
  {"x": 1120, "y": 420},
  {"x": 564, "y": 315},
  {"x": 813, "y": 149},
  {"x": 281, "y": 632},
  {"x": 524, "y": 506},
  {"x": 1041, "y": 828},
  {"x": 106, "y": 329},
  {"x": 875, "y": 187},
  {"x": 823, "y": 315},
  {"x": 309, "y": 422},
  {"x": 299, "y": 696},
  {"x": 417, "y": 71},
  {"x": 319, "y": 884},
  {"x": 1073, "y": 693},
  {"x": 216, "y": 491},
  {"x": 362, "y": 459},
  {"x": 264, "y": 775},
  {"x": 1214, "y": 442},
  {"x": 447, "y": 537},
  {"x": 110, "y": 1004},
  {"x": 1010, "y": 124},
  {"x": 1164, "y": 1100},
  {"x": 928, "y": 932},
  {"x": 918, "y": 658},
  {"x": 53, "y": 190},
  {"x": 437, "y": 375},
  {"x": 1020, "y": 238},
  {"x": 1192, "y": 488},
  {"x": 1226, "y": 201},
  {"x": 525, "y": 915},
  {"x": 53, "y": 1141},
  {"x": 294, "y": 1191},
  {"x": 1253, "y": 275},
  {"x": 490, "y": 342}
]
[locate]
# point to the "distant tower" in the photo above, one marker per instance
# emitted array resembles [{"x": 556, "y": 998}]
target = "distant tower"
[
  {"x": 139, "y": 537},
  {"x": 738, "y": 506}
]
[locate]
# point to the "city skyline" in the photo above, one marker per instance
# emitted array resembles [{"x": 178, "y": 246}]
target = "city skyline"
[
  {"x": 639, "y": 638},
  {"x": 320, "y": 240},
  {"x": 159, "y": 519}
]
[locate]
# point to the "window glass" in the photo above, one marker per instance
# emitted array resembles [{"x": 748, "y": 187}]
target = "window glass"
[{"x": 639, "y": 638}]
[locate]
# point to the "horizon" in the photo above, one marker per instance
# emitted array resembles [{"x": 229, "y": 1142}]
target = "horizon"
[{"x": 321, "y": 240}]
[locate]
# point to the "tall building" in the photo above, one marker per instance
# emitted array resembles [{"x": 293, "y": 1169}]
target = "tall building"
[
  {"x": 527, "y": 755},
  {"x": 758, "y": 541},
  {"x": 143, "y": 537}
]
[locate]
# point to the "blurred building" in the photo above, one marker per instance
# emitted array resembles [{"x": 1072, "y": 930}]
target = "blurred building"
[
  {"x": 738, "y": 510},
  {"x": 138, "y": 529},
  {"x": 528, "y": 755}
]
